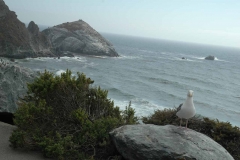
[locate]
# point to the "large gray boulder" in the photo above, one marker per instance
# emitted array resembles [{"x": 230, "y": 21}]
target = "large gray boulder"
[
  {"x": 79, "y": 38},
  {"x": 13, "y": 84},
  {"x": 152, "y": 142}
]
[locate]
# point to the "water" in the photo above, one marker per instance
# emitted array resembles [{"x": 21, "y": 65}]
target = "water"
[{"x": 152, "y": 75}]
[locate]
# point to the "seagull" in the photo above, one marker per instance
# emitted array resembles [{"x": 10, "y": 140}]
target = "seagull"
[{"x": 186, "y": 110}]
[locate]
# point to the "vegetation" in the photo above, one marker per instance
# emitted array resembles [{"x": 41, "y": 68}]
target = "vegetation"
[
  {"x": 222, "y": 132},
  {"x": 66, "y": 118}
]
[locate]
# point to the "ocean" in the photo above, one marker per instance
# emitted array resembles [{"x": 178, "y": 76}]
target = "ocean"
[{"x": 152, "y": 75}]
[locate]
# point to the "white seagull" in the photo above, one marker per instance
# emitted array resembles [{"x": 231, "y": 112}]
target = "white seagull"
[{"x": 187, "y": 109}]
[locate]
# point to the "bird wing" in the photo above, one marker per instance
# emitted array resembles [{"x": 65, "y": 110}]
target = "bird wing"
[{"x": 179, "y": 107}]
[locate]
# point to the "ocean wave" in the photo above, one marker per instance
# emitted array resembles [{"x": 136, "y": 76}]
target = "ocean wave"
[
  {"x": 128, "y": 57},
  {"x": 59, "y": 72},
  {"x": 141, "y": 106},
  {"x": 90, "y": 65},
  {"x": 178, "y": 59},
  {"x": 65, "y": 58},
  {"x": 220, "y": 60},
  {"x": 202, "y": 58},
  {"x": 119, "y": 92},
  {"x": 147, "y": 51},
  {"x": 103, "y": 57},
  {"x": 160, "y": 80}
]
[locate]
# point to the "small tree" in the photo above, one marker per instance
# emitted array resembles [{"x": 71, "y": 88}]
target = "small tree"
[{"x": 66, "y": 118}]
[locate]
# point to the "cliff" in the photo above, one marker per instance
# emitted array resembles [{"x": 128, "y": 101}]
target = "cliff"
[
  {"x": 79, "y": 38},
  {"x": 17, "y": 41}
]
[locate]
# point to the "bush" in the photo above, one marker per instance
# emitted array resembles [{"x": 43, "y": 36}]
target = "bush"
[
  {"x": 221, "y": 132},
  {"x": 66, "y": 118}
]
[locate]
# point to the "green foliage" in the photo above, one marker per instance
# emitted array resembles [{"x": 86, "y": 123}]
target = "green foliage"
[
  {"x": 128, "y": 115},
  {"x": 222, "y": 132},
  {"x": 66, "y": 118}
]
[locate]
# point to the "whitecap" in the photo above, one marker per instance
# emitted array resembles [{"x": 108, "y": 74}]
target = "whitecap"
[
  {"x": 142, "y": 107},
  {"x": 59, "y": 72},
  {"x": 128, "y": 57},
  {"x": 199, "y": 58}
]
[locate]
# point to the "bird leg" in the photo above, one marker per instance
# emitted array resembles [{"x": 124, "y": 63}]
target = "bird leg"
[
  {"x": 181, "y": 122},
  {"x": 186, "y": 123}
]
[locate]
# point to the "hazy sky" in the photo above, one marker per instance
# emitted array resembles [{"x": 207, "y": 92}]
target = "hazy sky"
[{"x": 202, "y": 21}]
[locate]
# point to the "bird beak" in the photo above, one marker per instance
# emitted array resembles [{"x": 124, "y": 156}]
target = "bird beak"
[{"x": 190, "y": 93}]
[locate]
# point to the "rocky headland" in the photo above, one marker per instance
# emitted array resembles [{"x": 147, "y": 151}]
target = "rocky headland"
[
  {"x": 67, "y": 39},
  {"x": 79, "y": 38}
]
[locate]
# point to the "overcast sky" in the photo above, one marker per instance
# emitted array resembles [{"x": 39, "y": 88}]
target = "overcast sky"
[{"x": 214, "y": 22}]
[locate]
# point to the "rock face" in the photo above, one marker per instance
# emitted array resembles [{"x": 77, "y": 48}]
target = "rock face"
[
  {"x": 13, "y": 85},
  {"x": 210, "y": 58},
  {"x": 79, "y": 38},
  {"x": 16, "y": 41},
  {"x": 141, "y": 142}
]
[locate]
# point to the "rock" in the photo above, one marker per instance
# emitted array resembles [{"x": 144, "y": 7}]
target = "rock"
[
  {"x": 33, "y": 28},
  {"x": 210, "y": 58},
  {"x": 12, "y": 59},
  {"x": 7, "y": 117},
  {"x": 17, "y": 41},
  {"x": 39, "y": 42},
  {"x": 79, "y": 38},
  {"x": 146, "y": 141},
  {"x": 13, "y": 79}
]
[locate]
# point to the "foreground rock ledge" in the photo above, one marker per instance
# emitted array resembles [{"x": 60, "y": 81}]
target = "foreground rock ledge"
[{"x": 146, "y": 141}]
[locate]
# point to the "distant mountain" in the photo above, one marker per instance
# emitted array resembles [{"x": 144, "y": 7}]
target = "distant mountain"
[{"x": 79, "y": 38}]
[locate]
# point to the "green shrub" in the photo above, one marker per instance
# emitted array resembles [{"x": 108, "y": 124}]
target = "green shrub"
[
  {"x": 222, "y": 132},
  {"x": 66, "y": 118}
]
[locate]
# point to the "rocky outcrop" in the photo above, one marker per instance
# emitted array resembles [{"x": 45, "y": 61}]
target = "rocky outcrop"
[
  {"x": 79, "y": 38},
  {"x": 141, "y": 142},
  {"x": 13, "y": 79},
  {"x": 39, "y": 42},
  {"x": 16, "y": 41},
  {"x": 210, "y": 58}
]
